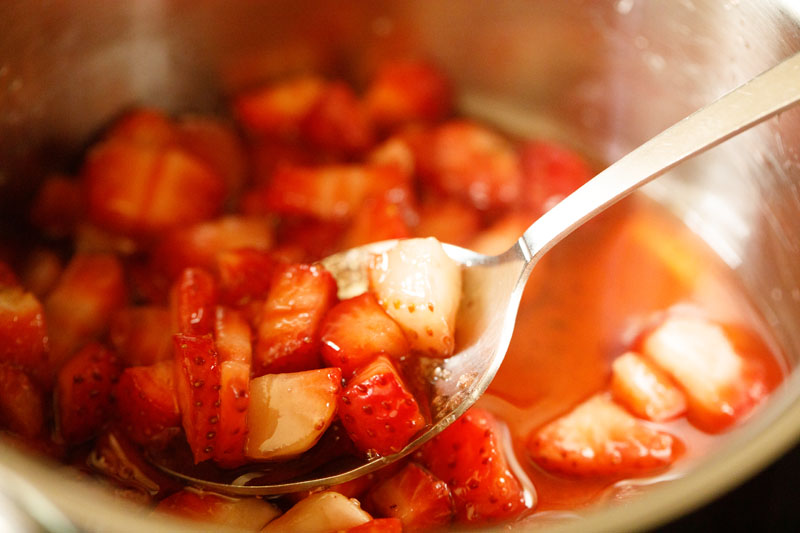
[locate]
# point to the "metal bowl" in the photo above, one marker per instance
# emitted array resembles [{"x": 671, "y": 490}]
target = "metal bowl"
[{"x": 603, "y": 76}]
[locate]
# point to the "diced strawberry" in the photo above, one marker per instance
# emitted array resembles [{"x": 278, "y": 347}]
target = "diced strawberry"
[
  {"x": 199, "y": 245},
  {"x": 470, "y": 458},
  {"x": 720, "y": 387},
  {"x": 471, "y": 162},
  {"x": 278, "y": 110},
  {"x": 192, "y": 301},
  {"x": 644, "y": 389},
  {"x": 288, "y": 334},
  {"x": 83, "y": 394},
  {"x": 147, "y": 127},
  {"x": 305, "y": 240},
  {"x": 42, "y": 270},
  {"x": 245, "y": 514},
  {"x": 338, "y": 123},
  {"x": 234, "y": 347},
  {"x": 331, "y": 192},
  {"x": 146, "y": 403},
  {"x": 419, "y": 286},
  {"x": 58, "y": 205},
  {"x": 23, "y": 334},
  {"x": 356, "y": 330},
  {"x": 197, "y": 382},
  {"x": 244, "y": 275},
  {"x": 416, "y": 497},
  {"x": 378, "y": 411},
  {"x": 379, "y": 219},
  {"x": 397, "y": 151},
  {"x": 79, "y": 309},
  {"x": 600, "y": 438},
  {"x": 550, "y": 173},
  {"x": 142, "y": 335},
  {"x": 378, "y": 525},
  {"x": 408, "y": 91},
  {"x": 21, "y": 402},
  {"x": 501, "y": 235},
  {"x": 449, "y": 221},
  {"x": 268, "y": 155}
]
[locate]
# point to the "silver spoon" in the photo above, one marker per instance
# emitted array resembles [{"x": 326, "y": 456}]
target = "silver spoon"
[{"x": 493, "y": 285}]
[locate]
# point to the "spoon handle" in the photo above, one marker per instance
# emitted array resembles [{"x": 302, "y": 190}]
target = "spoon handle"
[{"x": 759, "y": 99}]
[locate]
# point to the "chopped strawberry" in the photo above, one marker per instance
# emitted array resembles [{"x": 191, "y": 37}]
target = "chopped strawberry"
[
  {"x": 23, "y": 334},
  {"x": 644, "y": 389},
  {"x": 245, "y": 514},
  {"x": 416, "y": 497},
  {"x": 378, "y": 411},
  {"x": 305, "y": 240},
  {"x": 197, "y": 381},
  {"x": 58, "y": 205},
  {"x": 419, "y": 286},
  {"x": 357, "y": 329},
  {"x": 83, "y": 394},
  {"x": 288, "y": 333},
  {"x": 471, "y": 162},
  {"x": 379, "y": 219},
  {"x": 408, "y": 91},
  {"x": 142, "y": 335},
  {"x": 192, "y": 301},
  {"x": 279, "y": 110},
  {"x": 21, "y": 402},
  {"x": 550, "y": 173},
  {"x": 79, "y": 309},
  {"x": 600, "y": 438},
  {"x": 338, "y": 123},
  {"x": 235, "y": 349},
  {"x": 147, "y": 127},
  {"x": 449, "y": 221},
  {"x": 470, "y": 458},
  {"x": 398, "y": 152},
  {"x": 378, "y": 525},
  {"x": 268, "y": 155},
  {"x": 146, "y": 403},
  {"x": 719, "y": 385},
  {"x": 42, "y": 270},
  {"x": 244, "y": 275}
]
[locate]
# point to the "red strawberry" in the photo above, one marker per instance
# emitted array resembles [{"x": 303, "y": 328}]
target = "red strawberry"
[
  {"x": 379, "y": 219},
  {"x": 377, "y": 410},
  {"x": 337, "y": 122},
  {"x": 599, "y": 438},
  {"x": 305, "y": 240},
  {"x": 644, "y": 389},
  {"x": 142, "y": 335},
  {"x": 23, "y": 335},
  {"x": 550, "y": 173},
  {"x": 356, "y": 330},
  {"x": 197, "y": 381},
  {"x": 83, "y": 394},
  {"x": 147, "y": 127},
  {"x": 378, "y": 525},
  {"x": 449, "y": 221},
  {"x": 21, "y": 402},
  {"x": 146, "y": 403},
  {"x": 415, "y": 496},
  {"x": 288, "y": 333},
  {"x": 244, "y": 275},
  {"x": 192, "y": 302},
  {"x": 58, "y": 206},
  {"x": 245, "y": 514},
  {"x": 470, "y": 458},
  {"x": 278, "y": 110}
]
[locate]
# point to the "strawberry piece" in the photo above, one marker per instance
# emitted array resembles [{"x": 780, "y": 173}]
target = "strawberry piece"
[
  {"x": 244, "y": 275},
  {"x": 197, "y": 382},
  {"x": 142, "y": 335},
  {"x": 419, "y": 286},
  {"x": 378, "y": 525},
  {"x": 408, "y": 91},
  {"x": 449, "y": 221},
  {"x": 288, "y": 333},
  {"x": 23, "y": 334},
  {"x": 234, "y": 347},
  {"x": 83, "y": 393},
  {"x": 644, "y": 389},
  {"x": 357, "y": 329},
  {"x": 146, "y": 403},
  {"x": 146, "y": 127},
  {"x": 599, "y": 438},
  {"x": 378, "y": 411},
  {"x": 58, "y": 205},
  {"x": 468, "y": 161},
  {"x": 245, "y": 514},
  {"x": 192, "y": 302},
  {"x": 337, "y": 122},
  {"x": 278, "y": 110},
  {"x": 379, "y": 219},
  {"x": 720, "y": 387},
  {"x": 550, "y": 173},
  {"x": 21, "y": 402},
  {"x": 416, "y": 497},
  {"x": 79, "y": 309},
  {"x": 304, "y": 240},
  {"x": 469, "y": 456},
  {"x": 199, "y": 245},
  {"x": 321, "y": 512}
]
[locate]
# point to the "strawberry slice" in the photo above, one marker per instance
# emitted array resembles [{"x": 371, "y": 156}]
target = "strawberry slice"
[
  {"x": 288, "y": 333},
  {"x": 718, "y": 383},
  {"x": 379, "y": 219},
  {"x": 550, "y": 173},
  {"x": 83, "y": 393},
  {"x": 197, "y": 382},
  {"x": 23, "y": 334},
  {"x": 449, "y": 221},
  {"x": 378, "y": 411},
  {"x": 419, "y": 286},
  {"x": 416, "y": 497},
  {"x": 470, "y": 457},
  {"x": 355, "y": 330},
  {"x": 644, "y": 389},
  {"x": 378, "y": 525},
  {"x": 244, "y": 275},
  {"x": 142, "y": 335},
  {"x": 245, "y": 514},
  {"x": 21, "y": 402},
  {"x": 192, "y": 301},
  {"x": 600, "y": 438},
  {"x": 278, "y": 110},
  {"x": 146, "y": 403},
  {"x": 338, "y": 123}
]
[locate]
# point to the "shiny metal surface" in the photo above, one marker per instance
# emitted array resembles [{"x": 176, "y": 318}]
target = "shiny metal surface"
[{"x": 601, "y": 76}]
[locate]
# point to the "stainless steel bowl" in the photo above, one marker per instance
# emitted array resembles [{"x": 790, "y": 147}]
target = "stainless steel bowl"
[{"x": 602, "y": 75}]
